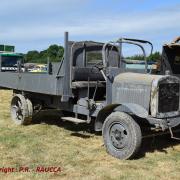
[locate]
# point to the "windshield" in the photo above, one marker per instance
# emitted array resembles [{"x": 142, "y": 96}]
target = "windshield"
[{"x": 10, "y": 61}]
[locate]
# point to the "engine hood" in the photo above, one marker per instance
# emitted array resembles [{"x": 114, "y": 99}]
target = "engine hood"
[
  {"x": 136, "y": 78},
  {"x": 140, "y": 89}
]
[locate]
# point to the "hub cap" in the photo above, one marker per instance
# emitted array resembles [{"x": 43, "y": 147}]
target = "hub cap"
[{"x": 118, "y": 136}]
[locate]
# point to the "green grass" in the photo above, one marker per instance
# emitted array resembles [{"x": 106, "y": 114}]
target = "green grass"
[{"x": 79, "y": 153}]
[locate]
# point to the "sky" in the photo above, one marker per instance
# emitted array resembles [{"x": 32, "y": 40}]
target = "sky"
[{"x": 36, "y": 24}]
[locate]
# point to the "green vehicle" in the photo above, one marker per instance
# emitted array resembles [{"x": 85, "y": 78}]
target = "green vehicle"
[{"x": 9, "y": 59}]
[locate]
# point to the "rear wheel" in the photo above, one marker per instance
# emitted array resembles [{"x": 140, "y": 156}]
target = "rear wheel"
[
  {"x": 21, "y": 110},
  {"x": 122, "y": 135}
]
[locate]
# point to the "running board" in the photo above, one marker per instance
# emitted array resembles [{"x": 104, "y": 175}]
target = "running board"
[{"x": 74, "y": 120}]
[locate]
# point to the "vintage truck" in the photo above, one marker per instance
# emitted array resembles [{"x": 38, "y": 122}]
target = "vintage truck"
[{"x": 93, "y": 85}]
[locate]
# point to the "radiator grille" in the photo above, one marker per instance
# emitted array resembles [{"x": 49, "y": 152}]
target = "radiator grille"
[{"x": 168, "y": 97}]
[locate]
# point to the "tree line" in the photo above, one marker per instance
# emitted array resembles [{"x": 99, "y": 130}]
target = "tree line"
[
  {"x": 55, "y": 53},
  {"x": 153, "y": 57}
]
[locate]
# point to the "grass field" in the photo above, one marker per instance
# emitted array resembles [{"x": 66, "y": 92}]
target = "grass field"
[{"x": 79, "y": 153}]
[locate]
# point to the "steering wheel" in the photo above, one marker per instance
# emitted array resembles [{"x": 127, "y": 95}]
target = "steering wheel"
[
  {"x": 96, "y": 65},
  {"x": 100, "y": 68}
]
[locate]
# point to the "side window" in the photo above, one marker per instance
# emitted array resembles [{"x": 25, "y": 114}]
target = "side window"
[{"x": 93, "y": 57}]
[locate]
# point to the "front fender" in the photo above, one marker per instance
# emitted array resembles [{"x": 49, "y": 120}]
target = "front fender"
[
  {"x": 125, "y": 107},
  {"x": 133, "y": 108}
]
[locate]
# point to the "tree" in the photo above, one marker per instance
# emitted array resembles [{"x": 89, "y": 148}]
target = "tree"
[
  {"x": 154, "y": 56},
  {"x": 32, "y": 56},
  {"x": 53, "y": 52}
]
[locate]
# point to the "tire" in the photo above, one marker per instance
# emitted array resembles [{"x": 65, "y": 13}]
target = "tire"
[
  {"x": 30, "y": 107},
  {"x": 122, "y": 135},
  {"x": 21, "y": 110}
]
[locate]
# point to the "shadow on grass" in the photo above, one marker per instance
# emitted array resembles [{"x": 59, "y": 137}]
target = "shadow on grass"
[
  {"x": 53, "y": 118},
  {"x": 150, "y": 144},
  {"x": 158, "y": 143}
]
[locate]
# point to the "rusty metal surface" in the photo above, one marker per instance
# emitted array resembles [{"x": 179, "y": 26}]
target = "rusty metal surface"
[
  {"x": 133, "y": 88},
  {"x": 143, "y": 90},
  {"x": 136, "y": 78},
  {"x": 172, "y": 45},
  {"x": 155, "y": 96}
]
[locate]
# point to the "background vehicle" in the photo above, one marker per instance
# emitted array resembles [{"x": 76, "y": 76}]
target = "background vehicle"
[
  {"x": 9, "y": 59},
  {"x": 93, "y": 85},
  {"x": 39, "y": 68}
]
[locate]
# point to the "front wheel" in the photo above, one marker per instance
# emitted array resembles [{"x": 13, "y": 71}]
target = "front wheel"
[{"x": 122, "y": 135}]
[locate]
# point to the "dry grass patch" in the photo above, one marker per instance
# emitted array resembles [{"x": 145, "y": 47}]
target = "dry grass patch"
[{"x": 78, "y": 152}]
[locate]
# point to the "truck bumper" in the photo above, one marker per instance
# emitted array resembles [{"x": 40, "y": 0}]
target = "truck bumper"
[
  {"x": 165, "y": 123},
  {"x": 173, "y": 122}
]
